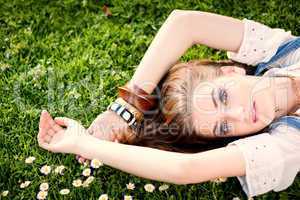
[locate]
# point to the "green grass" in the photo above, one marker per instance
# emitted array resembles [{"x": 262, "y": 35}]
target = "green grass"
[{"x": 68, "y": 57}]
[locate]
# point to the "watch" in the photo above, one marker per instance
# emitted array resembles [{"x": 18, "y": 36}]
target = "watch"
[{"x": 126, "y": 115}]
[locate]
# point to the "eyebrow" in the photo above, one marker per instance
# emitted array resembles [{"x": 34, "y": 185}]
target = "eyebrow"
[
  {"x": 216, "y": 106},
  {"x": 213, "y": 97},
  {"x": 215, "y": 128}
]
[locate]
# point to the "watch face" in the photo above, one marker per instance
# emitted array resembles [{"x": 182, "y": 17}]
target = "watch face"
[
  {"x": 114, "y": 106},
  {"x": 126, "y": 115}
]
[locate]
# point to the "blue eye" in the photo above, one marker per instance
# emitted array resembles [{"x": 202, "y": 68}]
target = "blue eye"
[
  {"x": 223, "y": 96},
  {"x": 224, "y": 128}
]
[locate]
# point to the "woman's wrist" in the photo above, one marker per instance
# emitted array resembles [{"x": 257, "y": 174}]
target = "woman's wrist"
[
  {"x": 82, "y": 146},
  {"x": 111, "y": 127}
]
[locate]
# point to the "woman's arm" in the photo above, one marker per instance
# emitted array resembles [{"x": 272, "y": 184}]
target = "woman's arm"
[
  {"x": 171, "y": 167},
  {"x": 180, "y": 31}
]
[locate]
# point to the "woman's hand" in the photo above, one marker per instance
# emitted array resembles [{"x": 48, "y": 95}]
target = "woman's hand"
[
  {"x": 53, "y": 137},
  {"x": 109, "y": 126}
]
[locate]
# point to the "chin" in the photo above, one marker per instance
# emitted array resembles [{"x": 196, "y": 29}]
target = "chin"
[{"x": 267, "y": 117}]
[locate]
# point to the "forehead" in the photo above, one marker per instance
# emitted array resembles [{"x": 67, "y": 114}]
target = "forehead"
[{"x": 204, "y": 111}]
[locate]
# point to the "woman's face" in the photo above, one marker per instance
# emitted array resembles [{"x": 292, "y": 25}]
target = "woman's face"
[{"x": 233, "y": 104}]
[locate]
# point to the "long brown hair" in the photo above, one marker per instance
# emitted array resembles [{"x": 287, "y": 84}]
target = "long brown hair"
[{"x": 170, "y": 126}]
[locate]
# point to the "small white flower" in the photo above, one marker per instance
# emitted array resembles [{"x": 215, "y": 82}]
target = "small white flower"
[
  {"x": 235, "y": 198},
  {"x": 42, "y": 195},
  {"x": 86, "y": 172},
  {"x": 5, "y": 193},
  {"x": 86, "y": 163},
  {"x": 219, "y": 180},
  {"x": 84, "y": 3},
  {"x": 149, "y": 187},
  {"x": 88, "y": 181},
  {"x": 64, "y": 191},
  {"x": 44, "y": 186},
  {"x": 77, "y": 183},
  {"x": 85, "y": 184},
  {"x": 95, "y": 163},
  {"x": 103, "y": 197},
  {"x": 30, "y": 160},
  {"x": 25, "y": 184},
  {"x": 127, "y": 197},
  {"x": 46, "y": 169},
  {"x": 163, "y": 187},
  {"x": 130, "y": 186},
  {"x": 60, "y": 169}
]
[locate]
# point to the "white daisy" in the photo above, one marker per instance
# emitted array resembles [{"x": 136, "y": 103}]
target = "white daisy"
[
  {"x": 46, "y": 169},
  {"x": 60, "y": 169},
  {"x": 5, "y": 193},
  {"x": 163, "y": 187},
  {"x": 88, "y": 181},
  {"x": 130, "y": 186},
  {"x": 219, "y": 180},
  {"x": 127, "y": 197},
  {"x": 103, "y": 197},
  {"x": 42, "y": 195},
  {"x": 77, "y": 183},
  {"x": 64, "y": 191},
  {"x": 86, "y": 172},
  {"x": 30, "y": 160},
  {"x": 95, "y": 163},
  {"x": 149, "y": 187},
  {"x": 44, "y": 186},
  {"x": 25, "y": 184}
]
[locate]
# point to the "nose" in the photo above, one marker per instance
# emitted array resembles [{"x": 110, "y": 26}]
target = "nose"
[{"x": 236, "y": 113}]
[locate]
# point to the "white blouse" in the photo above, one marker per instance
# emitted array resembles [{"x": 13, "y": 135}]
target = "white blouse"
[
  {"x": 272, "y": 159},
  {"x": 260, "y": 43}
]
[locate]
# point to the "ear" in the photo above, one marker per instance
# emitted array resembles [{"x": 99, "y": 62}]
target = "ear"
[{"x": 232, "y": 70}]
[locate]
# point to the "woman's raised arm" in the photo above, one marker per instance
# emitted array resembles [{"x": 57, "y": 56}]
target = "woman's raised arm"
[{"x": 181, "y": 30}]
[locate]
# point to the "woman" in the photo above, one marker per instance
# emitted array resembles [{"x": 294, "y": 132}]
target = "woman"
[{"x": 227, "y": 104}]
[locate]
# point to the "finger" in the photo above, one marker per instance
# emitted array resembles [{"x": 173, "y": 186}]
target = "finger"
[
  {"x": 81, "y": 160},
  {"x": 64, "y": 121},
  {"x": 44, "y": 145},
  {"x": 118, "y": 136},
  {"x": 51, "y": 132},
  {"x": 46, "y": 120},
  {"x": 44, "y": 126},
  {"x": 47, "y": 138},
  {"x": 44, "y": 123},
  {"x": 116, "y": 140},
  {"x": 90, "y": 130},
  {"x": 56, "y": 127},
  {"x": 40, "y": 139}
]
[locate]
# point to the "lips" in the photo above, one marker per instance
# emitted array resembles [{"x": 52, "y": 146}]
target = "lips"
[{"x": 254, "y": 114}]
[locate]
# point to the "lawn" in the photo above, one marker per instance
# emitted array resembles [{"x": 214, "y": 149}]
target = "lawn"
[{"x": 68, "y": 57}]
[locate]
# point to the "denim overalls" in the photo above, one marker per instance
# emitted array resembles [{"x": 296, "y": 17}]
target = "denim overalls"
[{"x": 283, "y": 51}]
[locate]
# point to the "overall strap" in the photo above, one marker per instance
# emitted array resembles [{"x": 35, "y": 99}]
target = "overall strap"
[
  {"x": 293, "y": 121},
  {"x": 282, "y": 52}
]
